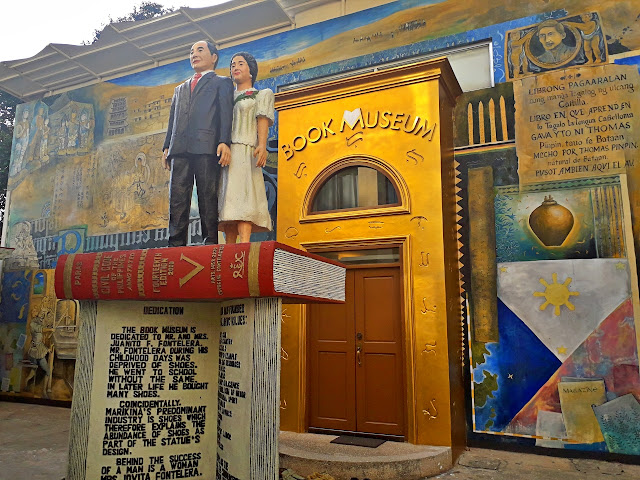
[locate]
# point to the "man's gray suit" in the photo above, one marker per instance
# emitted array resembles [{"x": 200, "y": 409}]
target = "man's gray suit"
[{"x": 198, "y": 123}]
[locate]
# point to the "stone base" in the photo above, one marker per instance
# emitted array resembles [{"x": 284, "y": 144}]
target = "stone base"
[
  {"x": 306, "y": 453},
  {"x": 177, "y": 390}
]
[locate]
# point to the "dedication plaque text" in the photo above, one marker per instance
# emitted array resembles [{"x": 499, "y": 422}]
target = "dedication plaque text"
[{"x": 154, "y": 395}]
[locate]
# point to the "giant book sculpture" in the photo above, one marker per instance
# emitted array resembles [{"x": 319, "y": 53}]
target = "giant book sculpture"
[
  {"x": 208, "y": 272},
  {"x": 177, "y": 374}
]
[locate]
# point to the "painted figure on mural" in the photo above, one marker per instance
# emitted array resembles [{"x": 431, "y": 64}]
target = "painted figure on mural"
[
  {"x": 38, "y": 134},
  {"x": 518, "y": 56},
  {"x": 21, "y": 134},
  {"x": 85, "y": 125},
  {"x": 591, "y": 34},
  {"x": 44, "y": 145},
  {"x": 74, "y": 130},
  {"x": 554, "y": 44},
  {"x": 243, "y": 206},
  {"x": 63, "y": 139},
  {"x": 141, "y": 176},
  {"x": 197, "y": 144},
  {"x": 39, "y": 353},
  {"x": 24, "y": 254},
  {"x": 551, "y": 35}
]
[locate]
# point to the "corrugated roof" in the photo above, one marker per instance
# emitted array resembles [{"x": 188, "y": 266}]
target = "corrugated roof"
[{"x": 125, "y": 47}]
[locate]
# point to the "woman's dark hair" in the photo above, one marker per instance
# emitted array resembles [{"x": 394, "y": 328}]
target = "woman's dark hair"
[{"x": 253, "y": 65}]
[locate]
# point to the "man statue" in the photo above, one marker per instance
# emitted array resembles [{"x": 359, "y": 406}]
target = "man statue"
[
  {"x": 197, "y": 144},
  {"x": 551, "y": 35}
]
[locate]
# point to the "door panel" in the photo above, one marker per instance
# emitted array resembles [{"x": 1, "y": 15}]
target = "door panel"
[
  {"x": 379, "y": 382},
  {"x": 377, "y": 309},
  {"x": 335, "y": 388},
  {"x": 381, "y": 414},
  {"x": 363, "y": 391},
  {"x": 331, "y": 393}
]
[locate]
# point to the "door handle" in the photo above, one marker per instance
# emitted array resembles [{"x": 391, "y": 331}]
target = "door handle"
[{"x": 358, "y": 356}]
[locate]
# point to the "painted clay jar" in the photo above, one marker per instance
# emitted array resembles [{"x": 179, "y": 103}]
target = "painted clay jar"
[{"x": 551, "y": 222}]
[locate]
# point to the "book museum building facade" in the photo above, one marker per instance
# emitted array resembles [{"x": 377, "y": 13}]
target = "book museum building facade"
[{"x": 472, "y": 165}]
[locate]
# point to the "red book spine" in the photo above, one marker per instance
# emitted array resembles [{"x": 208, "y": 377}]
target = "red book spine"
[{"x": 180, "y": 273}]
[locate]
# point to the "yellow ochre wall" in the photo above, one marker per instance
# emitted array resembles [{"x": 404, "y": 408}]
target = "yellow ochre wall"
[{"x": 319, "y": 128}]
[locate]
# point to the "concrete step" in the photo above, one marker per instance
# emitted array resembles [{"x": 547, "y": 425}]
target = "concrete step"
[{"x": 307, "y": 453}]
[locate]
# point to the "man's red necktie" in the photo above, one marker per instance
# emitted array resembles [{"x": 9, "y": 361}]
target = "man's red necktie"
[{"x": 194, "y": 81}]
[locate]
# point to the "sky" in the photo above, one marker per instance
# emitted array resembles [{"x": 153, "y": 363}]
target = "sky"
[{"x": 30, "y": 25}]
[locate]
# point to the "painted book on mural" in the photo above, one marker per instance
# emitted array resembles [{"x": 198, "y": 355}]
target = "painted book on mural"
[
  {"x": 619, "y": 420},
  {"x": 207, "y": 272},
  {"x": 576, "y": 399}
]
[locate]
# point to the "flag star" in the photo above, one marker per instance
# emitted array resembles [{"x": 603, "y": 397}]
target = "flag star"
[
  {"x": 503, "y": 269},
  {"x": 510, "y": 376},
  {"x": 620, "y": 266},
  {"x": 562, "y": 350}
]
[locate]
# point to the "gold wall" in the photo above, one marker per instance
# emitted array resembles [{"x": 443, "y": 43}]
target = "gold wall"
[{"x": 398, "y": 121}]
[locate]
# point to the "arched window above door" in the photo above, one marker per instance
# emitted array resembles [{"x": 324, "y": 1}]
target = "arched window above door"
[{"x": 355, "y": 187}]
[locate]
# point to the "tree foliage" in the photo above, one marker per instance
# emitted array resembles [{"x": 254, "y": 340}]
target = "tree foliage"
[
  {"x": 8, "y": 105},
  {"x": 144, "y": 11}
]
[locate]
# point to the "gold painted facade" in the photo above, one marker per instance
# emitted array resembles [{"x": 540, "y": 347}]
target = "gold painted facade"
[{"x": 399, "y": 122}]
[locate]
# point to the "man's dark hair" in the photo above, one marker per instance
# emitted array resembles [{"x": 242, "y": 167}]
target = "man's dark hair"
[
  {"x": 213, "y": 51},
  {"x": 552, "y": 24},
  {"x": 251, "y": 61}
]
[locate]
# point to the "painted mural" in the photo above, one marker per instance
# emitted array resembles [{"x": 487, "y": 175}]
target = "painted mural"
[
  {"x": 38, "y": 336},
  {"x": 551, "y": 259},
  {"x": 13, "y": 327},
  {"x": 554, "y": 44},
  {"x": 565, "y": 316},
  {"x": 549, "y": 263}
]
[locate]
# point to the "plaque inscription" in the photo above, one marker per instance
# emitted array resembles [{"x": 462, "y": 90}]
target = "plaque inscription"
[{"x": 154, "y": 397}]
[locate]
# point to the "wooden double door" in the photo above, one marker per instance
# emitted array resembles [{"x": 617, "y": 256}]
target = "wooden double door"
[{"x": 355, "y": 357}]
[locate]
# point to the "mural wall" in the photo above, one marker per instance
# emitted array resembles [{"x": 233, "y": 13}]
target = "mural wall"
[
  {"x": 38, "y": 337},
  {"x": 548, "y": 159},
  {"x": 549, "y": 168}
]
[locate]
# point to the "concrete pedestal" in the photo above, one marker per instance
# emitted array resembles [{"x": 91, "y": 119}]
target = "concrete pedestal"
[{"x": 177, "y": 390}]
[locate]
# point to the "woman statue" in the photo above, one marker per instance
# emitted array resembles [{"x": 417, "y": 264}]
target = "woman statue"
[{"x": 242, "y": 201}]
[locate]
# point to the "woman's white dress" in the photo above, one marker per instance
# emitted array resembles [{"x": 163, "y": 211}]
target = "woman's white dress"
[{"x": 242, "y": 195}]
